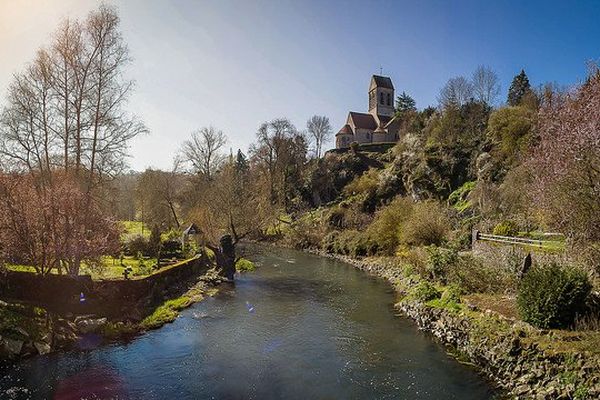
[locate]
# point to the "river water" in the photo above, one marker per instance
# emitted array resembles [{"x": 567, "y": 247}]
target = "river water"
[{"x": 300, "y": 327}]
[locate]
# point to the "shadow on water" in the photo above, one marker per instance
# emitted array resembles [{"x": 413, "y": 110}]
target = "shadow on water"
[{"x": 300, "y": 327}]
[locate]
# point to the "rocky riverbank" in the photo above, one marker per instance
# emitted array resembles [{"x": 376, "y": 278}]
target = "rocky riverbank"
[
  {"x": 27, "y": 331},
  {"x": 509, "y": 352}
]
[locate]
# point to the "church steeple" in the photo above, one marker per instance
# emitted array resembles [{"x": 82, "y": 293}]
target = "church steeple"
[{"x": 381, "y": 96}]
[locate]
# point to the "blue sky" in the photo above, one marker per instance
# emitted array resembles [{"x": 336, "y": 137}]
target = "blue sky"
[{"x": 234, "y": 64}]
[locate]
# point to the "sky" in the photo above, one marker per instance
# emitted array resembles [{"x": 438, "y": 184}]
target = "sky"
[{"x": 235, "y": 64}]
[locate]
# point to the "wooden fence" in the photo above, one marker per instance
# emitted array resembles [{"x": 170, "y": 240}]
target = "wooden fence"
[{"x": 519, "y": 241}]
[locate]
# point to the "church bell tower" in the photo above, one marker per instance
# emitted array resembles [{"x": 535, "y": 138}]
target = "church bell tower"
[{"x": 381, "y": 96}]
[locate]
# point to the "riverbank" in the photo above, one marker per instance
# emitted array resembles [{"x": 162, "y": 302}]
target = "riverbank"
[
  {"x": 28, "y": 330},
  {"x": 511, "y": 353}
]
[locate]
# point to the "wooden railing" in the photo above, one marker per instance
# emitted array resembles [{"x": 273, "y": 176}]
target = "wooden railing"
[{"x": 513, "y": 240}]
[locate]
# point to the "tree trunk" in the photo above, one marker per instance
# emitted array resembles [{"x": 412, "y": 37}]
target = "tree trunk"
[{"x": 225, "y": 256}]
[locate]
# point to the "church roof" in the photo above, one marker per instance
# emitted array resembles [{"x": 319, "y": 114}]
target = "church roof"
[
  {"x": 384, "y": 120},
  {"x": 362, "y": 120},
  {"x": 346, "y": 130},
  {"x": 383, "y": 82}
]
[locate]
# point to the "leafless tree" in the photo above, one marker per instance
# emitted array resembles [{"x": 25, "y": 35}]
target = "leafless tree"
[
  {"x": 204, "y": 150},
  {"x": 67, "y": 108},
  {"x": 456, "y": 92},
  {"x": 320, "y": 132},
  {"x": 486, "y": 85}
]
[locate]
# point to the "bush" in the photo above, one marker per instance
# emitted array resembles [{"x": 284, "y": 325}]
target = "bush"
[
  {"x": 474, "y": 276},
  {"x": 552, "y": 296},
  {"x": 424, "y": 292},
  {"x": 440, "y": 261},
  {"x": 135, "y": 245},
  {"x": 244, "y": 265},
  {"x": 506, "y": 228},
  {"x": 384, "y": 230},
  {"x": 170, "y": 249},
  {"x": 426, "y": 225}
]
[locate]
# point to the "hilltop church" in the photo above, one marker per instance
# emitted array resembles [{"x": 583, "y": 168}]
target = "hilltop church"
[{"x": 376, "y": 126}]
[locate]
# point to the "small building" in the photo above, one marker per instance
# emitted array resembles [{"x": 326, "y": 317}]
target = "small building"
[{"x": 378, "y": 125}]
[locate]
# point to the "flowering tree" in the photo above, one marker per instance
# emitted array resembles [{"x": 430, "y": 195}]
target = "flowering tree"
[
  {"x": 52, "y": 225},
  {"x": 566, "y": 162}
]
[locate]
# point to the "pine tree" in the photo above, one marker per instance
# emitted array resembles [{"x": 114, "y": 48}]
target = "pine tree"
[
  {"x": 241, "y": 162},
  {"x": 518, "y": 88},
  {"x": 405, "y": 103}
]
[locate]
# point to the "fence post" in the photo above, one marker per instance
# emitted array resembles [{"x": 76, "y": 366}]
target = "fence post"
[{"x": 474, "y": 237}]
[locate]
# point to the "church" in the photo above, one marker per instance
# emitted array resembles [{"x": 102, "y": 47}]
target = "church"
[{"x": 376, "y": 126}]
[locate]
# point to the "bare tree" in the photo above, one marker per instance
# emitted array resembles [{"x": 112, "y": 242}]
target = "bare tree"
[
  {"x": 204, "y": 150},
  {"x": 67, "y": 108},
  {"x": 456, "y": 92},
  {"x": 320, "y": 132},
  {"x": 486, "y": 85}
]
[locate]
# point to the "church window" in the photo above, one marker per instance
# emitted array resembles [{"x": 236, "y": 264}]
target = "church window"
[
  {"x": 389, "y": 99},
  {"x": 381, "y": 98}
]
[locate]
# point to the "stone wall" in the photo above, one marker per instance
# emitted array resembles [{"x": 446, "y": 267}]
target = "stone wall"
[
  {"x": 62, "y": 294},
  {"x": 511, "y": 256}
]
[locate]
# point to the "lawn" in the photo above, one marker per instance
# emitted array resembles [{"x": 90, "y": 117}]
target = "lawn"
[
  {"x": 134, "y": 228},
  {"x": 109, "y": 268}
]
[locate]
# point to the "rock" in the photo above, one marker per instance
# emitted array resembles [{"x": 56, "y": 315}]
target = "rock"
[
  {"x": 13, "y": 346},
  {"x": 42, "y": 348},
  {"x": 22, "y": 331},
  {"x": 90, "y": 324}
]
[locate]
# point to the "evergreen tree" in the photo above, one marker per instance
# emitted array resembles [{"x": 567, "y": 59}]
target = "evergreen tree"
[
  {"x": 518, "y": 88},
  {"x": 405, "y": 103},
  {"x": 241, "y": 162}
]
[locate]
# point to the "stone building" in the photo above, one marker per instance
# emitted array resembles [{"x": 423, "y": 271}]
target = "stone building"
[{"x": 376, "y": 126}]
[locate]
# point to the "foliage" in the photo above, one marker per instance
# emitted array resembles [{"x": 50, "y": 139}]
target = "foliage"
[
  {"x": 440, "y": 261},
  {"x": 551, "y": 296},
  {"x": 518, "y": 89},
  {"x": 459, "y": 199},
  {"x": 405, "y": 103},
  {"x": 52, "y": 225},
  {"x": 506, "y": 228},
  {"x": 167, "y": 312},
  {"x": 424, "y": 292},
  {"x": 135, "y": 245},
  {"x": 510, "y": 129},
  {"x": 384, "y": 230},
  {"x": 154, "y": 242},
  {"x": 426, "y": 225},
  {"x": 565, "y": 164},
  {"x": 244, "y": 265}
]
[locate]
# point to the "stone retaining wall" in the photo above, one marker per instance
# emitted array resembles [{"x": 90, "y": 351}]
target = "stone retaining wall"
[{"x": 61, "y": 293}]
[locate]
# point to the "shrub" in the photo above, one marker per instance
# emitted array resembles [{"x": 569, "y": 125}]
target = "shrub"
[
  {"x": 424, "y": 292},
  {"x": 244, "y": 265},
  {"x": 426, "y": 225},
  {"x": 170, "y": 248},
  {"x": 551, "y": 296},
  {"x": 440, "y": 261},
  {"x": 385, "y": 227},
  {"x": 135, "y": 245},
  {"x": 506, "y": 228},
  {"x": 474, "y": 276}
]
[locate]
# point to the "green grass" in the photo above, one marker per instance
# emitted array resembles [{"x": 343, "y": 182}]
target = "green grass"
[
  {"x": 165, "y": 313},
  {"x": 109, "y": 268},
  {"x": 134, "y": 228}
]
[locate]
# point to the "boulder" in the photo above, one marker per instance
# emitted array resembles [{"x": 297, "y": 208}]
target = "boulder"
[
  {"x": 12, "y": 346},
  {"x": 88, "y": 325},
  {"x": 42, "y": 348}
]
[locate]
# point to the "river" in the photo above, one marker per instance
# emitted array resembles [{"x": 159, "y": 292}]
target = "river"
[{"x": 300, "y": 327}]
